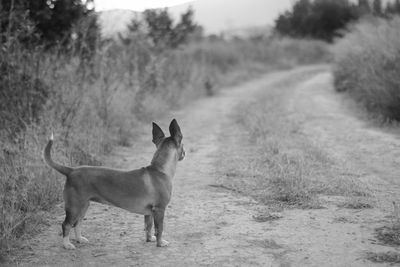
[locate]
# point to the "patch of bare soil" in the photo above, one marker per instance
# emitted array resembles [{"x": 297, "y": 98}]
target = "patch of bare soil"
[{"x": 208, "y": 225}]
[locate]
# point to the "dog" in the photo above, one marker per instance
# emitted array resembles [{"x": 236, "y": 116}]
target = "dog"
[{"x": 146, "y": 191}]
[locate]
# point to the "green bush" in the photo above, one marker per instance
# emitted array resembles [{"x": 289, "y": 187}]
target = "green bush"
[{"x": 367, "y": 66}]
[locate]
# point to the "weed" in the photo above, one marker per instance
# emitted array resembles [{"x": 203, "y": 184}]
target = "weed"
[
  {"x": 266, "y": 217},
  {"x": 388, "y": 235},
  {"x": 383, "y": 257},
  {"x": 357, "y": 203}
]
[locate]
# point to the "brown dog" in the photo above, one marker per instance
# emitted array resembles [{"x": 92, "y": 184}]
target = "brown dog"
[{"x": 145, "y": 191}]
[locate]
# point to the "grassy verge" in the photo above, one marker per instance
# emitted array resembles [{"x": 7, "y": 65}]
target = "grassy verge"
[
  {"x": 275, "y": 162},
  {"x": 367, "y": 69}
]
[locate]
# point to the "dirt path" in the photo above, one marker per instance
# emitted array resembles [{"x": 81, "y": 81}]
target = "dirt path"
[
  {"x": 210, "y": 226},
  {"x": 372, "y": 153},
  {"x": 337, "y": 236}
]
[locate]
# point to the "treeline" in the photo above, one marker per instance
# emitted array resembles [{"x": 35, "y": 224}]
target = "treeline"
[{"x": 324, "y": 19}]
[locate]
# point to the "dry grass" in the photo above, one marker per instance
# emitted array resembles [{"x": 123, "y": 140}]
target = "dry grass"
[
  {"x": 278, "y": 164},
  {"x": 366, "y": 66},
  {"x": 384, "y": 257},
  {"x": 388, "y": 235}
]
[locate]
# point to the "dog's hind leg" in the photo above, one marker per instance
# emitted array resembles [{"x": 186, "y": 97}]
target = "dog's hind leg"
[
  {"x": 148, "y": 225},
  {"x": 73, "y": 209},
  {"x": 66, "y": 228},
  {"x": 158, "y": 215},
  {"x": 78, "y": 226}
]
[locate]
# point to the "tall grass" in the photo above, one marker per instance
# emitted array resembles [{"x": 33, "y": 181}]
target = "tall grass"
[
  {"x": 93, "y": 104},
  {"x": 367, "y": 66}
]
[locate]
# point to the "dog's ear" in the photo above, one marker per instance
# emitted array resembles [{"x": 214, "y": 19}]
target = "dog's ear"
[
  {"x": 158, "y": 134},
  {"x": 175, "y": 131}
]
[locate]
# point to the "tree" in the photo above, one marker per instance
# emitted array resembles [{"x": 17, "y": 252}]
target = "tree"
[
  {"x": 392, "y": 8},
  {"x": 377, "y": 7},
  {"x": 184, "y": 28},
  {"x": 159, "y": 26},
  {"x": 319, "y": 19},
  {"x": 53, "y": 20},
  {"x": 364, "y": 7},
  {"x": 329, "y": 16},
  {"x": 160, "y": 29},
  {"x": 300, "y": 17},
  {"x": 283, "y": 24}
]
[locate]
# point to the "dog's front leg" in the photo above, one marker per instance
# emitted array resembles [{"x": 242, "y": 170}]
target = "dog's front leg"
[
  {"x": 158, "y": 215},
  {"x": 148, "y": 225},
  {"x": 78, "y": 233}
]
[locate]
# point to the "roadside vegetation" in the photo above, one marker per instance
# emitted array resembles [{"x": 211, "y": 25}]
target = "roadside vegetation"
[
  {"x": 95, "y": 94},
  {"x": 366, "y": 66}
]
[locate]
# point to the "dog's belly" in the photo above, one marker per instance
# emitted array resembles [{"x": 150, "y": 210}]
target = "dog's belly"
[
  {"x": 143, "y": 208},
  {"x": 139, "y": 206}
]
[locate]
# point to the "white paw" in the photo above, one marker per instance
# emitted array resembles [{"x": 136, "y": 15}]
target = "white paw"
[
  {"x": 68, "y": 245},
  {"x": 164, "y": 243},
  {"x": 153, "y": 238},
  {"x": 82, "y": 240}
]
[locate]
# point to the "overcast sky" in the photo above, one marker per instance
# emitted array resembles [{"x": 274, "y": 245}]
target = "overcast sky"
[
  {"x": 136, "y": 5},
  {"x": 213, "y": 15}
]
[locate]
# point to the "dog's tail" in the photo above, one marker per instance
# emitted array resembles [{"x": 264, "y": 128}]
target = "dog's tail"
[{"x": 47, "y": 157}]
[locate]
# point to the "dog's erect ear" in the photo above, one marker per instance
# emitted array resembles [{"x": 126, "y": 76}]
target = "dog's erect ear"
[
  {"x": 158, "y": 134},
  {"x": 175, "y": 131}
]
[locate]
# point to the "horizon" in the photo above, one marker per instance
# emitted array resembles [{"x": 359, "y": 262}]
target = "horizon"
[
  {"x": 138, "y": 6},
  {"x": 239, "y": 14}
]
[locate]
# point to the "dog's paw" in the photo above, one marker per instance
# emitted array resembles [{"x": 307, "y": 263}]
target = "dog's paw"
[
  {"x": 152, "y": 239},
  {"x": 163, "y": 243},
  {"x": 82, "y": 240},
  {"x": 68, "y": 245}
]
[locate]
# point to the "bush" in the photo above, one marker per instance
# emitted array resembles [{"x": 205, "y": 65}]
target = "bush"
[{"x": 366, "y": 66}]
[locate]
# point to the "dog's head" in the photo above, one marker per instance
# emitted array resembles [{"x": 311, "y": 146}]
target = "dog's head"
[{"x": 175, "y": 140}]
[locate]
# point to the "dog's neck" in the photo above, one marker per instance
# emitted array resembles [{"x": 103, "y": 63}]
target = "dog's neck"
[{"x": 165, "y": 160}]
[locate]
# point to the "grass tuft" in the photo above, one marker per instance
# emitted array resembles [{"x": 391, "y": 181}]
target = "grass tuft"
[{"x": 383, "y": 257}]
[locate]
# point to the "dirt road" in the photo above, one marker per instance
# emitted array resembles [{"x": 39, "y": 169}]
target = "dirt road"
[{"x": 210, "y": 226}]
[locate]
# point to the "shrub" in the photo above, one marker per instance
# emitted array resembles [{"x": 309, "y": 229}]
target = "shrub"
[{"x": 366, "y": 66}]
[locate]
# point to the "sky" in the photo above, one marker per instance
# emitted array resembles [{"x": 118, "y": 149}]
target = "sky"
[
  {"x": 214, "y": 15},
  {"x": 136, "y": 5}
]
